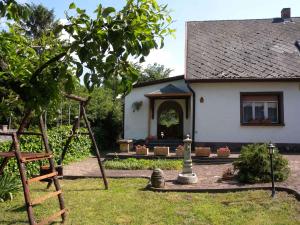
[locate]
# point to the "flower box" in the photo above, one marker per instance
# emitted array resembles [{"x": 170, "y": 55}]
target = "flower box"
[
  {"x": 180, "y": 151},
  {"x": 125, "y": 145},
  {"x": 202, "y": 151},
  {"x": 4, "y": 128},
  {"x": 223, "y": 152},
  {"x": 141, "y": 150},
  {"x": 161, "y": 151}
]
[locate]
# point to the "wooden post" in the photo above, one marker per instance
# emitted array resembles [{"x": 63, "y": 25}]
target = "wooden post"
[
  {"x": 68, "y": 142},
  {"x": 23, "y": 179},
  {"x": 95, "y": 145}
]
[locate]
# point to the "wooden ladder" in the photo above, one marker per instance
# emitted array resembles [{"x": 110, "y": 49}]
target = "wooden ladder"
[{"x": 25, "y": 157}]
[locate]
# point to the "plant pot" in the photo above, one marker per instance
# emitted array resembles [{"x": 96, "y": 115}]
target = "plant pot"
[
  {"x": 180, "y": 151},
  {"x": 4, "y": 128},
  {"x": 141, "y": 151},
  {"x": 125, "y": 145},
  {"x": 223, "y": 155},
  {"x": 161, "y": 151},
  {"x": 202, "y": 151}
]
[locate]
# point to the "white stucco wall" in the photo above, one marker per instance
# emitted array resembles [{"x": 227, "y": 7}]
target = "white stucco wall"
[
  {"x": 136, "y": 123},
  {"x": 218, "y": 118}
]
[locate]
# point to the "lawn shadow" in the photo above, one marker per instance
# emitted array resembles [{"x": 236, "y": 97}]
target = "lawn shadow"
[
  {"x": 86, "y": 189},
  {"x": 17, "y": 222},
  {"x": 18, "y": 209}
]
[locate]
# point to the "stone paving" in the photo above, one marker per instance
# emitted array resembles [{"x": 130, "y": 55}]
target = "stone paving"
[{"x": 209, "y": 175}]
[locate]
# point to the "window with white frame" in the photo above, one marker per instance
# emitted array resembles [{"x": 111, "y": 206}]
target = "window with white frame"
[{"x": 261, "y": 108}]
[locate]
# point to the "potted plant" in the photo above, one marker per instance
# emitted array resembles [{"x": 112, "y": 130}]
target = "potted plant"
[
  {"x": 228, "y": 174},
  {"x": 161, "y": 150},
  {"x": 141, "y": 150},
  {"x": 202, "y": 151},
  {"x": 180, "y": 150},
  {"x": 223, "y": 152}
]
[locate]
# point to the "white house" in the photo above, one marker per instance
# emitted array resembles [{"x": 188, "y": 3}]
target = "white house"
[{"x": 241, "y": 85}]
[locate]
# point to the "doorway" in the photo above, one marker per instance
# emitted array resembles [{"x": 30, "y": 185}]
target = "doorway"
[{"x": 170, "y": 120}]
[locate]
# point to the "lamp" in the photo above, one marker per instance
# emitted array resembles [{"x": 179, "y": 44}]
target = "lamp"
[{"x": 271, "y": 148}]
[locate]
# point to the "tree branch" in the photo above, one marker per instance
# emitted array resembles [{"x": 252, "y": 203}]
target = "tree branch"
[{"x": 46, "y": 64}]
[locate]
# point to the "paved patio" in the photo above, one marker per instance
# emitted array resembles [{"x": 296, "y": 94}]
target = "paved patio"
[{"x": 209, "y": 175}]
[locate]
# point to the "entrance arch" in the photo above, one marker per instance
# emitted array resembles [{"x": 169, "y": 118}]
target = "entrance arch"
[{"x": 170, "y": 120}]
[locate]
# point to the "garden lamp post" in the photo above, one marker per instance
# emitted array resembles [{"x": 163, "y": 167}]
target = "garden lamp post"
[{"x": 271, "y": 152}]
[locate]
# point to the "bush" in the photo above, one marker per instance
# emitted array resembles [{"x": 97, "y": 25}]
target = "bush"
[
  {"x": 253, "y": 164},
  {"x": 8, "y": 186},
  {"x": 143, "y": 164},
  {"x": 80, "y": 148}
]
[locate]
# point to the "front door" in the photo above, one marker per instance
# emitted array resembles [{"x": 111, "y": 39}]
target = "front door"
[{"x": 170, "y": 121}]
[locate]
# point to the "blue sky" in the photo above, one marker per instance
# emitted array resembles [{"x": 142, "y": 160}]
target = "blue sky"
[{"x": 172, "y": 55}]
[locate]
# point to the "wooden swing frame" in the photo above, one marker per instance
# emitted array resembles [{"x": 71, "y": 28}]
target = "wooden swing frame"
[{"x": 82, "y": 113}]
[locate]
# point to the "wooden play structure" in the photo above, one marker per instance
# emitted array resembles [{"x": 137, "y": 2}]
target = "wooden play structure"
[
  {"x": 50, "y": 174},
  {"x": 25, "y": 157},
  {"x": 82, "y": 113}
]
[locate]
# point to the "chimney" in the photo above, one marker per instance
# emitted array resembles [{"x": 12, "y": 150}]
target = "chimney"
[{"x": 286, "y": 13}]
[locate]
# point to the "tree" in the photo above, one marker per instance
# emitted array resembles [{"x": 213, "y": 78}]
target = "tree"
[
  {"x": 103, "y": 44},
  {"x": 154, "y": 72},
  {"x": 12, "y": 10},
  {"x": 39, "y": 21}
]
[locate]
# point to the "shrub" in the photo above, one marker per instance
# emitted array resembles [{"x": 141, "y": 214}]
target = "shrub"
[
  {"x": 80, "y": 148},
  {"x": 253, "y": 164},
  {"x": 8, "y": 186},
  {"x": 143, "y": 164}
]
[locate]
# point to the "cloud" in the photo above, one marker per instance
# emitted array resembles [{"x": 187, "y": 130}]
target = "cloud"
[{"x": 164, "y": 57}]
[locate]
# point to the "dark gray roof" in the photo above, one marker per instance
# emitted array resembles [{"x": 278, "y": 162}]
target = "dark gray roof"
[
  {"x": 243, "y": 49},
  {"x": 168, "y": 79},
  {"x": 169, "y": 90}
]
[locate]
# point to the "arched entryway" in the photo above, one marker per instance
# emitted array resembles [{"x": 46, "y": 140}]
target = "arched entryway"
[{"x": 170, "y": 120}]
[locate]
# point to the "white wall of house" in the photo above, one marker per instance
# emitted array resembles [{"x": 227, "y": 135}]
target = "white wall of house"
[
  {"x": 136, "y": 123},
  {"x": 218, "y": 117}
]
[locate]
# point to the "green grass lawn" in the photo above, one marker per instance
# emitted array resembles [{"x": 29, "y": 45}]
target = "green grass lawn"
[
  {"x": 143, "y": 164},
  {"x": 126, "y": 202}
]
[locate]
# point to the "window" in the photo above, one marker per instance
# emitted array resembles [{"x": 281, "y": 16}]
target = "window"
[{"x": 262, "y": 108}]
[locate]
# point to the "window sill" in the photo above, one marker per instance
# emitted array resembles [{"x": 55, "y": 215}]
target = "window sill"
[{"x": 263, "y": 124}]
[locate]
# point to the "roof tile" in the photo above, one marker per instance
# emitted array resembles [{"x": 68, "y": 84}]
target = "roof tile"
[{"x": 242, "y": 49}]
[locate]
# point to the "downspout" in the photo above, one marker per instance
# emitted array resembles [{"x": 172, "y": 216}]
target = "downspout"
[
  {"x": 193, "y": 117},
  {"x": 123, "y": 113},
  {"x": 123, "y": 117}
]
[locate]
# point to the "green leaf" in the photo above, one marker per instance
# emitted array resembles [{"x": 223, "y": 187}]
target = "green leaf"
[
  {"x": 79, "y": 69},
  {"x": 72, "y": 6},
  {"x": 142, "y": 59},
  {"x": 107, "y": 11}
]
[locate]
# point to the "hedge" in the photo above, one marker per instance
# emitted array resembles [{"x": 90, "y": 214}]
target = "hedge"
[{"x": 80, "y": 148}]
